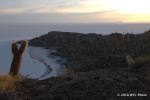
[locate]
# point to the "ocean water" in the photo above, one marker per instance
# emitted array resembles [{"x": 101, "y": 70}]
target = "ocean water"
[
  {"x": 36, "y": 61},
  {"x": 10, "y": 31},
  {"x": 35, "y": 64}
]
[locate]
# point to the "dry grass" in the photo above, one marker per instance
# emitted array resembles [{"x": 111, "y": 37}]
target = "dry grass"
[
  {"x": 8, "y": 82},
  {"x": 130, "y": 60},
  {"x": 142, "y": 60},
  {"x": 67, "y": 74},
  {"x": 138, "y": 61}
]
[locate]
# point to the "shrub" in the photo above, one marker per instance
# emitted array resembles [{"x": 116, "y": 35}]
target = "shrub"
[
  {"x": 138, "y": 61},
  {"x": 67, "y": 74},
  {"x": 7, "y": 82},
  {"x": 142, "y": 60},
  {"x": 130, "y": 60}
]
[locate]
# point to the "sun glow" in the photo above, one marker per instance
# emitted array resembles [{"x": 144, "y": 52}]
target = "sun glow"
[
  {"x": 129, "y": 6},
  {"x": 95, "y": 10},
  {"x": 134, "y": 10},
  {"x": 115, "y": 10}
]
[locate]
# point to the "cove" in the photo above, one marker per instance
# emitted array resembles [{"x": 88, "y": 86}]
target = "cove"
[{"x": 38, "y": 62}]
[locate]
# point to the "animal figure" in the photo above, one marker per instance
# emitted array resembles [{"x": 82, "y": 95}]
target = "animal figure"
[{"x": 17, "y": 57}]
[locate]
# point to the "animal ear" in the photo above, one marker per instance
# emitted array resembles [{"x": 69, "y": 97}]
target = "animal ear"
[
  {"x": 23, "y": 46},
  {"x": 14, "y": 48}
]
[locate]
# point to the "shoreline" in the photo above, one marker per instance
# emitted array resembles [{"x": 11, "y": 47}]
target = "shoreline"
[
  {"x": 100, "y": 68},
  {"x": 78, "y": 47}
]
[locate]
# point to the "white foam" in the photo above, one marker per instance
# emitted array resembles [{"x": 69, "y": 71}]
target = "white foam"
[{"x": 34, "y": 62}]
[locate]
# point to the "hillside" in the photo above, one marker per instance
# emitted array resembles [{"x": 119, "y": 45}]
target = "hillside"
[
  {"x": 99, "y": 67},
  {"x": 84, "y": 50}
]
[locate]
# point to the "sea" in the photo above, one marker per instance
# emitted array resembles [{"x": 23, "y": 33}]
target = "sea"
[
  {"x": 37, "y": 60},
  {"x": 10, "y": 31}
]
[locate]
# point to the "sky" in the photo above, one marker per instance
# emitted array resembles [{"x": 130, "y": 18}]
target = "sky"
[{"x": 74, "y": 11}]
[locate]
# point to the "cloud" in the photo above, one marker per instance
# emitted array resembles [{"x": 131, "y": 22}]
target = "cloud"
[
  {"x": 67, "y": 11},
  {"x": 52, "y": 11},
  {"x": 102, "y": 16},
  {"x": 48, "y": 6}
]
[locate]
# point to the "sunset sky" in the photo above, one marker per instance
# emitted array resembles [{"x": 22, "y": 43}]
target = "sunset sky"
[{"x": 74, "y": 11}]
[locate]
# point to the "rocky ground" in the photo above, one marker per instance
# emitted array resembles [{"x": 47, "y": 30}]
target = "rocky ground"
[
  {"x": 97, "y": 69},
  {"x": 103, "y": 84}
]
